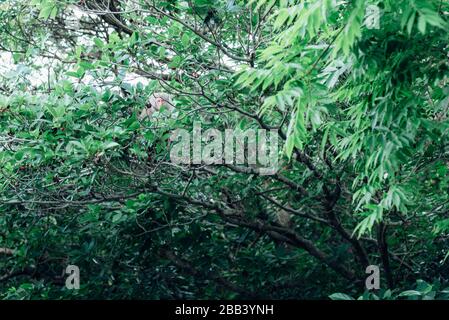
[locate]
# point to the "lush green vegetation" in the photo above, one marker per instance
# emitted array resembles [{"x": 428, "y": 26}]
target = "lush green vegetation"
[{"x": 362, "y": 117}]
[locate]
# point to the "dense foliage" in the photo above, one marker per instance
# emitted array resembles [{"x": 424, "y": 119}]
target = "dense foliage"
[{"x": 362, "y": 117}]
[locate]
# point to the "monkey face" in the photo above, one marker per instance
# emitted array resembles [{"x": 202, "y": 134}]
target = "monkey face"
[{"x": 159, "y": 103}]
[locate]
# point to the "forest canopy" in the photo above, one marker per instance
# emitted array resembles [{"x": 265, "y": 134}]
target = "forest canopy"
[{"x": 355, "y": 92}]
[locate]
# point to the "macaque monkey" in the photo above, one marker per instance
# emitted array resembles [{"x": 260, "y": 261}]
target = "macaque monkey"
[
  {"x": 284, "y": 218},
  {"x": 281, "y": 216},
  {"x": 155, "y": 103}
]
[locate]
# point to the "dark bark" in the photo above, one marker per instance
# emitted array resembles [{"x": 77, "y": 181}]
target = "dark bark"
[{"x": 383, "y": 250}]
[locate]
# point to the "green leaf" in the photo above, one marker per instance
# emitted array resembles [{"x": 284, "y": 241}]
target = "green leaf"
[
  {"x": 110, "y": 145},
  {"x": 422, "y": 24},
  {"x": 409, "y": 293},
  {"x": 176, "y": 61},
  {"x": 46, "y": 12},
  {"x": 185, "y": 40},
  {"x": 98, "y": 42},
  {"x": 410, "y": 23},
  {"x": 116, "y": 217},
  {"x": 340, "y": 296}
]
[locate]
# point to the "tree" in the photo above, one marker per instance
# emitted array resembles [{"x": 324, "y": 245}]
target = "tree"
[{"x": 361, "y": 114}]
